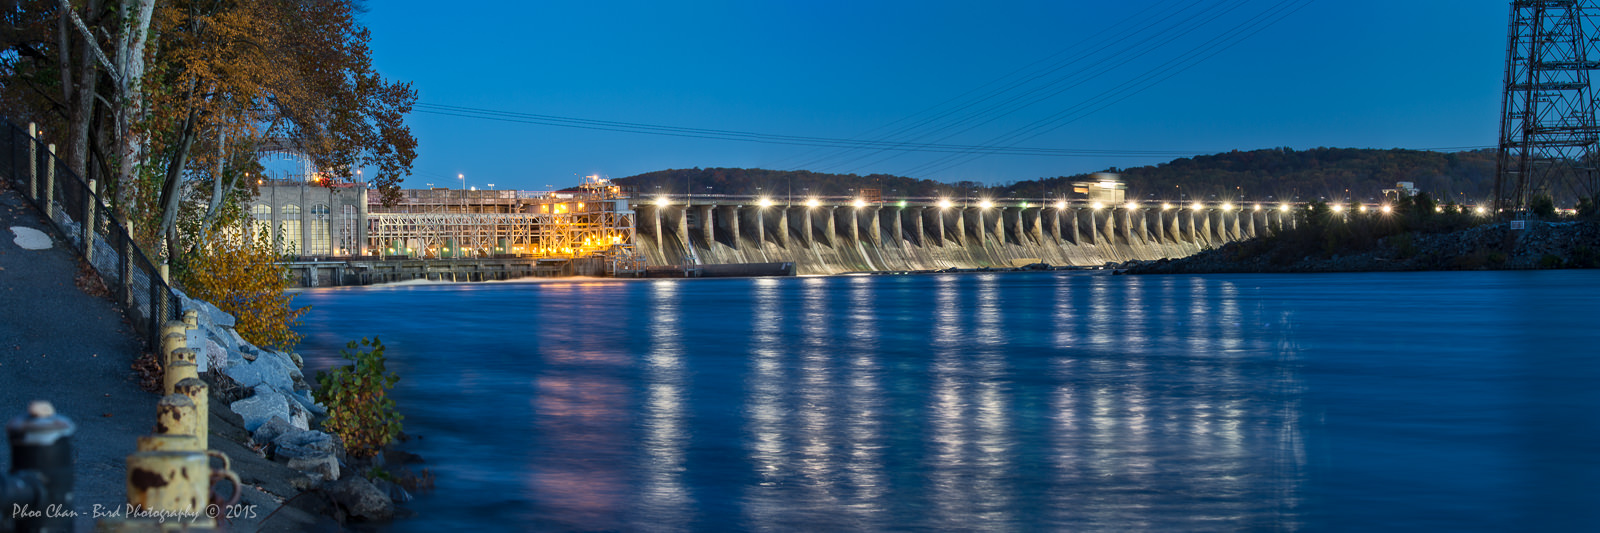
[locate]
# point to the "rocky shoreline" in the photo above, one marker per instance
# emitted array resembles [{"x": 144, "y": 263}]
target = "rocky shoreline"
[
  {"x": 297, "y": 478},
  {"x": 1542, "y": 245}
]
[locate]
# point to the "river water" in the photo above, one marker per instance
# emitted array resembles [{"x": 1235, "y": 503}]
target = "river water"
[{"x": 1064, "y": 401}]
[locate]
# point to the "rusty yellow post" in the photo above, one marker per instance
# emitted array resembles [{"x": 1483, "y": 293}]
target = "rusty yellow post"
[
  {"x": 178, "y": 482},
  {"x": 182, "y": 354},
  {"x": 169, "y": 443},
  {"x": 198, "y": 393},
  {"x": 178, "y": 371},
  {"x": 172, "y": 341},
  {"x": 191, "y": 319},
  {"x": 175, "y": 415}
]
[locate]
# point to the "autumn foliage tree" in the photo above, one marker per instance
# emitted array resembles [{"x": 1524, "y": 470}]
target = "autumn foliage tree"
[
  {"x": 169, "y": 104},
  {"x": 242, "y": 277},
  {"x": 233, "y": 77}
]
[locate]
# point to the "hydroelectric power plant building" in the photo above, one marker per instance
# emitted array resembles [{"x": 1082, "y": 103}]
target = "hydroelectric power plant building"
[{"x": 342, "y": 235}]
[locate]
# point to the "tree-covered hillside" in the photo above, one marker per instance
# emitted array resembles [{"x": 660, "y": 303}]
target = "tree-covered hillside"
[{"x": 1277, "y": 173}]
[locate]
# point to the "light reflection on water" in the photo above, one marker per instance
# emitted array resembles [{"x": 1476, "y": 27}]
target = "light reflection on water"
[{"x": 996, "y": 402}]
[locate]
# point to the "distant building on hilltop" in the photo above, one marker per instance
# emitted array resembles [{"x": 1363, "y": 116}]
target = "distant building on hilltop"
[
  {"x": 1402, "y": 189},
  {"x": 1107, "y": 188}
]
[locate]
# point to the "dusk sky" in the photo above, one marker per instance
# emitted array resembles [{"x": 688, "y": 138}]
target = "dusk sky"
[{"x": 1130, "y": 83}]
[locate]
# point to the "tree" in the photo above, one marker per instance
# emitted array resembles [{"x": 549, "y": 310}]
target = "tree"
[{"x": 229, "y": 76}]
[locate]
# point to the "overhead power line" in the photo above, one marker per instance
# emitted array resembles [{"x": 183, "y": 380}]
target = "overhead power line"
[
  {"x": 768, "y": 138},
  {"x": 1127, "y": 89}
]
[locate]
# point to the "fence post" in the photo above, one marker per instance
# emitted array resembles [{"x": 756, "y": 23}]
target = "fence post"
[
  {"x": 88, "y": 224},
  {"x": 33, "y": 161},
  {"x": 49, "y": 192},
  {"x": 158, "y": 310},
  {"x": 125, "y": 264}
]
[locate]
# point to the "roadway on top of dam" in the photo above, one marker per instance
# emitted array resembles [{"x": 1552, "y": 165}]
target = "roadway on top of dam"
[{"x": 968, "y": 202}]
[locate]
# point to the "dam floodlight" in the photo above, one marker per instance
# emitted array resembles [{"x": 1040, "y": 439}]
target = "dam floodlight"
[
  {"x": 813, "y": 202},
  {"x": 1480, "y": 210},
  {"x": 1132, "y": 206},
  {"x": 1258, "y": 207},
  {"x": 1284, "y": 208},
  {"x": 985, "y": 204},
  {"x": 1338, "y": 208},
  {"x": 1438, "y": 209},
  {"x": 1227, "y": 207},
  {"x": 902, "y": 203},
  {"x": 662, "y": 201},
  {"x": 1098, "y": 206},
  {"x": 1363, "y": 208},
  {"x": 1197, "y": 206},
  {"x": 765, "y": 202},
  {"x": 860, "y": 203},
  {"x": 1165, "y": 207},
  {"x": 944, "y": 203},
  {"x": 1061, "y": 204},
  {"x": 1386, "y": 208}
]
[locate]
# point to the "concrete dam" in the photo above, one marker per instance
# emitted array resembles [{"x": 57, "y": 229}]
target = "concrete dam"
[{"x": 850, "y": 235}]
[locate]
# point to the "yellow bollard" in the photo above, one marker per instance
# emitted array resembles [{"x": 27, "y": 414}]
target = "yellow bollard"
[
  {"x": 172, "y": 341},
  {"x": 175, "y": 415},
  {"x": 191, "y": 318},
  {"x": 178, "y": 371},
  {"x": 178, "y": 482},
  {"x": 169, "y": 443},
  {"x": 173, "y": 326},
  {"x": 181, "y": 355},
  {"x": 199, "y": 393}
]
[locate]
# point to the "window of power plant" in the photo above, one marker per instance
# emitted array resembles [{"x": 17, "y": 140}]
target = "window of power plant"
[
  {"x": 347, "y": 231},
  {"x": 321, "y": 231},
  {"x": 291, "y": 229},
  {"x": 261, "y": 225}
]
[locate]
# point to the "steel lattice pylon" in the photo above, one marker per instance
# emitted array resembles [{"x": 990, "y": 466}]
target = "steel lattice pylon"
[{"x": 1548, "y": 134}]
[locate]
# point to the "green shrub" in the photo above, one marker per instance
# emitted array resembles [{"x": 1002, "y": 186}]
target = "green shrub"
[
  {"x": 1550, "y": 261},
  {"x": 1543, "y": 207},
  {"x": 360, "y": 410}
]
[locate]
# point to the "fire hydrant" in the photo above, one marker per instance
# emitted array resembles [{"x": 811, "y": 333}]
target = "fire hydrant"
[{"x": 36, "y": 495}]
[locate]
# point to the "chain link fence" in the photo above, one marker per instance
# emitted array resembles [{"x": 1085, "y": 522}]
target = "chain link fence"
[{"x": 83, "y": 219}]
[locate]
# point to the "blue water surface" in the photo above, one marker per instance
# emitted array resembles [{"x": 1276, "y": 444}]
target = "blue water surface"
[{"x": 1064, "y": 401}]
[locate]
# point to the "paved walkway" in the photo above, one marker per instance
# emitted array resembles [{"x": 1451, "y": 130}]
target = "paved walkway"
[{"x": 59, "y": 344}]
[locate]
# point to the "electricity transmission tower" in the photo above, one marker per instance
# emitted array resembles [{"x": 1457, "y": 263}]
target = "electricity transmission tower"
[{"x": 1548, "y": 134}]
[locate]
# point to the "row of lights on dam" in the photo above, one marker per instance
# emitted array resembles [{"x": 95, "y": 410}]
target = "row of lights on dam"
[{"x": 945, "y": 203}]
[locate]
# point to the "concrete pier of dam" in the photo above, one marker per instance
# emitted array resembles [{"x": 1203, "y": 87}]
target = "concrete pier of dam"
[{"x": 822, "y": 237}]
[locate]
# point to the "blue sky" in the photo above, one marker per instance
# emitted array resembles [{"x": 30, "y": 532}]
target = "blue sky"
[{"x": 1406, "y": 74}]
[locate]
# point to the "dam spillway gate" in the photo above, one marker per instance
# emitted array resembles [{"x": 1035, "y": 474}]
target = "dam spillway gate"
[{"x": 852, "y": 236}]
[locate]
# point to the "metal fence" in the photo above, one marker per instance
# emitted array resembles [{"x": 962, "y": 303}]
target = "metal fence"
[{"x": 84, "y": 220}]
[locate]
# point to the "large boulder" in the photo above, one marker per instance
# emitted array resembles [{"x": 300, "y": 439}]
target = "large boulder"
[
  {"x": 264, "y": 372},
  {"x": 303, "y": 397},
  {"x": 360, "y": 499},
  {"x": 305, "y": 443},
  {"x": 267, "y": 433},
  {"x": 261, "y": 407},
  {"x": 319, "y": 468},
  {"x": 209, "y": 315}
]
